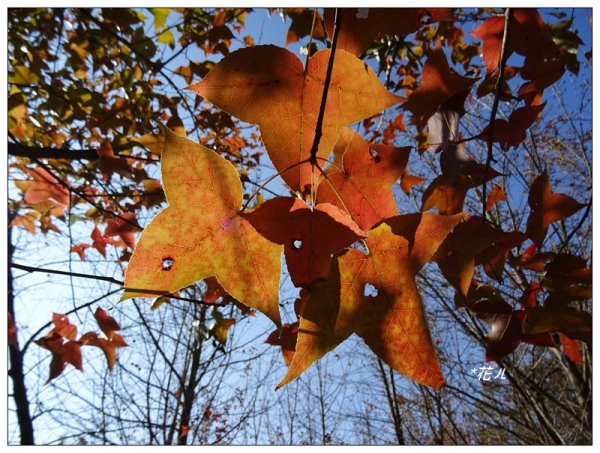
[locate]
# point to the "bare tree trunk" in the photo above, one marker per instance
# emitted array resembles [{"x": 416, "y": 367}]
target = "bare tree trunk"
[{"x": 16, "y": 360}]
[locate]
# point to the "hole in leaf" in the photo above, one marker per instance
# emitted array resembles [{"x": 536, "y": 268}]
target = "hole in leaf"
[
  {"x": 425, "y": 17},
  {"x": 375, "y": 155},
  {"x": 167, "y": 263},
  {"x": 296, "y": 244},
  {"x": 370, "y": 290}
]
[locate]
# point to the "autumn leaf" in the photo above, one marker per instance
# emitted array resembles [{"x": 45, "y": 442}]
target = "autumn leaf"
[
  {"x": 364, "y": 187},
  {"x": 529, "y": 297},
  {"x": 302, "y": 24},
  {"x": 63, "y": 327},
  {"x": 361, "y": 26},
  {"x": 529, "y": 36},
  {"x": 99, "y": 241},
  {"x": 362, "y": 296},
  {"x": 62, "y": 352},
  {"x": 576, "y": 324},
  {"x": 456, "y": 255},
  {"x": 309, "y": 236},
  {"x": 547, "y": 207},
  {"x": 507, "y": 329},
  {"x": 408, "y": 180},
  {"x": 106, "y": 322},
  {"x": 215, "y": 293},
  {"x": 123, "y": 226},
  {"x": 109, "y": 163},
  {"x": 107, "y": 346},
  {"x": 439, "y": 84},
  {"x": 201, "y": 234},
  {"x": 494, "y": 257},
  {"x": 286, "y": 338},
  {"x": 447, "y": 193},
  {"x": 540, "y": 74},
  {"x": 496, "y": 194},
  {"x": 571, "y": 349},
  {"x": 45, "y": 188},
  {"x": 220, "y": 329},
  {"x": 514, "y": 131},
  {"x": 80, "y": 250},
  {"x": 269, "y": 86}
]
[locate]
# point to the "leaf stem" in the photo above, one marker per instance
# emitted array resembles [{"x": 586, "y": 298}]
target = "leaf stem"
[{"x": 499, "y": 83}]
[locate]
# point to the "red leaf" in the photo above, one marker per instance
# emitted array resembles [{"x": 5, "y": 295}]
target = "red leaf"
[
  {"x": 514, "y": 131},
  {"x": 541, "y": 74},
  {"x": 547, "y": 207},
  {"x": 291, "y": 222},
  {"x": 571, "y": 349},
  {"x": 45, "y": 188},
  {"x": 529, "y": 36},
  {"x": 456, "y": 255},
  {"x": 390, "y": 317},
  {"x": 529, "y": 297},
  {"x": 108, "y": 163},
  {"x": 438, "y": 85},
  {"x": 286, "y": 338},
  {"x": 63, "y": 327},
  {"x": 106, "y": 322},
  {"x": 122, "y": 227},
  {"x": 107, "y": 346},
  {"x": 494, "y": 257},
  {"x": 80, "y": 250},
  {"x": 364, "y": 187}
]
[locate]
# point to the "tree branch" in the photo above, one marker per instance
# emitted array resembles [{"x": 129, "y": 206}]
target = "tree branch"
[
  {"x": 319, "y": 128},
  {"x": 38, "y": 152},
  {"x": 111, "y": 280},
  {"x": 499, "y": 83}
]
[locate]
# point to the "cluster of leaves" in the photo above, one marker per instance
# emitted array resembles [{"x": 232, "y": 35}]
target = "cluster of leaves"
[
  {"x": 62, "y": 342},
  {"x": 346, "y": 246},
  {"x": 350, "y": 202}
]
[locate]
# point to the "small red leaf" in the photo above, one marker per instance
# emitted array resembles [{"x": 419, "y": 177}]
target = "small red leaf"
[{"x": 106, "y": 322}]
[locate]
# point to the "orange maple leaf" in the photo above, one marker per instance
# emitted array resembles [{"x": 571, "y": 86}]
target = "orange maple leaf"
[
  {"x": 201, "y": 234},
  {"x": 391, "y": 318},
  {"x": 364, "y": 185},
  {"x": 269, "y": 86}
]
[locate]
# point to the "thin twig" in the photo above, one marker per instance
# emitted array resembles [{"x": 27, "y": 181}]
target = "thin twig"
[
  {"x": 319, "y": 128},
  {"x": 499, "y": 83},
  {"x": 579, "y": 225},
  {"x": 113, "y": 281}
]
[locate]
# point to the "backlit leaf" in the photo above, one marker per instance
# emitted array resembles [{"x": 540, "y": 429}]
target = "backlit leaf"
[
  {"x": 309, "y": 237},
  {"x": 201, "y": 234},
  {"x": 362, "y": 296},
  {"x": 269, "y": 86},
  {"x": 364, "y": 187},
  {"x": 547, "y": 207}
]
